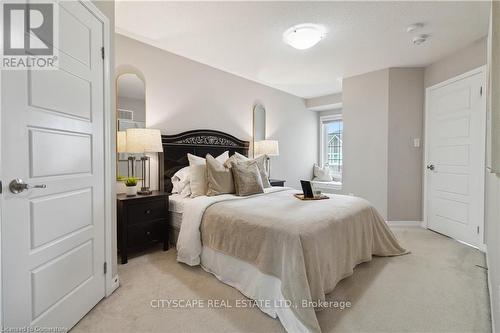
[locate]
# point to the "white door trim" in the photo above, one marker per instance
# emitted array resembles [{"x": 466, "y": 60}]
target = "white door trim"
[
  {"x": 109, "y": 152},
  {"x": 478, "y": 70},
  {"x": 1, "y": 204}
]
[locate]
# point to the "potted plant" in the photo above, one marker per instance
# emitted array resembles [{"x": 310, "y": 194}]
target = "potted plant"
[{"x": 131, "y": 183}]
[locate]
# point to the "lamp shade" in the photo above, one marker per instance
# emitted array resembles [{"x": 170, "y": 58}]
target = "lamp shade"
[
  {"x": 121, "y": 141},
  {"x": 143, "y": 140},
  {"x": 267, "y": 147}
]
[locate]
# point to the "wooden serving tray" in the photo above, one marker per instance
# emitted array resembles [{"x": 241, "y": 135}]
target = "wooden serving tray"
[{"x": 301, "y": 197}]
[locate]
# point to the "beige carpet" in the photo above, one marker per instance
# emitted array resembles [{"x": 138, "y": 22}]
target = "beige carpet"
[{"x": 437, "y": 288}]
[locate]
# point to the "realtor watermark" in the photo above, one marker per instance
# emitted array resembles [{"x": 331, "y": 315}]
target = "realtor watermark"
[
  {"x": 246, "y": 303},
  {"x": 30, "y": 329},
  {"x": 30, "y": 35}
]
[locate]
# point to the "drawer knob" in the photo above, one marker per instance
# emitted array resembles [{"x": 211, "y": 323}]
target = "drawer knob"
[
  {"x": 148, "y": 233},
  {"x": 148, "y": 211}
]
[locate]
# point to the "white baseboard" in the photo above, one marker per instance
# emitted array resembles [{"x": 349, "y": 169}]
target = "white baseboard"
[
  {"x": 115, "y": 283},
  {"x": 413, "y": 224},
  {"x": 482, "y": 248}
]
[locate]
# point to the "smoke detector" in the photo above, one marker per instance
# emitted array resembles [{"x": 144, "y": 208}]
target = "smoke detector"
[
  {"x": 413, "y": 27},
  {"x": 417, "y": 40}
]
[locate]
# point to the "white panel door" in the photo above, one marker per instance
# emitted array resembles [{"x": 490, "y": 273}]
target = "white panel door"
[
  {"x": 455, "y": 157},
  {"x": 52, "y": 133}
]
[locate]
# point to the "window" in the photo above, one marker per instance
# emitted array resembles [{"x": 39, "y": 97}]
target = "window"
[{"x": 331, "y": 128}]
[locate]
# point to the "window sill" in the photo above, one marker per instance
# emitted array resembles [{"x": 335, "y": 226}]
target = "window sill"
[{"x": 327, "y": 186}]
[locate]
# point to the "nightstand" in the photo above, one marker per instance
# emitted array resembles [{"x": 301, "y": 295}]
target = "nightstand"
[
  {"x": 142, "y": 221},
  {"x": 277, "y": 182}
]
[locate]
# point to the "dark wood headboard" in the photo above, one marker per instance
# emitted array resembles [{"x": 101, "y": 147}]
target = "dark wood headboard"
[{"x": 196, "y": 142}]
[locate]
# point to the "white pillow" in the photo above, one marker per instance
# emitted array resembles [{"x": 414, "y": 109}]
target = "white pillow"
[
  {"x": 180, "y": 182},
  {"x": 321, "y": 174},
  {"x": 198, "y": 173}
]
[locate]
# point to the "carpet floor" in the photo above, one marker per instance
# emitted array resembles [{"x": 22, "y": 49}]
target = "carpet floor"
[{"x": 440, "y": 287}]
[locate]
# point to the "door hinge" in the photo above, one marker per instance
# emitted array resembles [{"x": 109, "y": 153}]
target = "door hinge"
[
  {"x": 105, "y": 267},
  {"x": 478, "y": 230},
  {"x": 102, "y": 52},
  {"x": 481, "y": 91},
  {"x": 1, "y": 186}
]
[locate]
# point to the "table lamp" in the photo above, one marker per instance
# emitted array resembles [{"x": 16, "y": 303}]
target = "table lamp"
[
  {"x": 268, "y": 148},
  {"x": 144, "y": 140}
]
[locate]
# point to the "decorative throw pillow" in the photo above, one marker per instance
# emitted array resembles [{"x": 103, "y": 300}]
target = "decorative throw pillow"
[
  {"x": 261, "y": 164},
  {"x": 247, "y": 179},
  {"x": 236, "y": 157},
  {"x": 321, "y": 174},
  {"x": 198, "y": 173},
  {"x": 219, "y": 178}
]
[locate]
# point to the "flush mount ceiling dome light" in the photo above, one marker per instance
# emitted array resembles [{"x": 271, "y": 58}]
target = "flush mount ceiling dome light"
[{"x": 304, "y": 36}]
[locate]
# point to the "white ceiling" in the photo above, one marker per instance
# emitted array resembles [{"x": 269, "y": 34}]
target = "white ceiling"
[{"x": 245, "y": 38}]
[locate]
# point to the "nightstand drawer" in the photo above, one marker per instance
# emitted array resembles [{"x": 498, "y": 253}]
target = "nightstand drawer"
[
  {"x": 145, "y": 233},
  {"x": 142, "y": 220},
  {"x": 147, "y": 211}
]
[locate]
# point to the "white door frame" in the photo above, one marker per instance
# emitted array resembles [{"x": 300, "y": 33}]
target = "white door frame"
[
  {"x": 1, "y": 204},
  {"x": 109, "y": 161},
  {"x": 478, "y": 70},
  {"x": 109, "y": 152}
]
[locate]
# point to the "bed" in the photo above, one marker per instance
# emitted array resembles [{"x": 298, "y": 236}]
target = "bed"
[
  {"x": 174, "y": 157},
  {"x": 285, "y": 253}
]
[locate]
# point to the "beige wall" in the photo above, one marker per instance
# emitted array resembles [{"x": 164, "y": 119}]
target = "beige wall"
[
  {"x": 494, "y": 60},
  {"x": 406, "y": 105},
  {"x": 324, "y": 102},
  {"x": 383, "y": 113},
  {"x": 365, "y": 114},
  {"x": 461, "y": 61},
  {"x": 183, "y": 95},
  {"x": 492, "y": 212}
]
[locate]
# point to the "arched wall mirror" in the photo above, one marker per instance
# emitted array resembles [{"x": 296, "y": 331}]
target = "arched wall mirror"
[
  {"x": 130, "y": 113},
  {"x": 259, "y": 123}
]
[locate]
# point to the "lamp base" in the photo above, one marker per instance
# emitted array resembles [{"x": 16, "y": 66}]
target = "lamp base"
[
  {"x": 146, "y": 167},
  {"x": 145, "y": 191}
]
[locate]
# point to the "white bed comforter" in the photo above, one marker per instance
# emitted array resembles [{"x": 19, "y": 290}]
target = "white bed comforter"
[
  {"x": 189, "y": 242},
  {"x": 308, "y": 246}
]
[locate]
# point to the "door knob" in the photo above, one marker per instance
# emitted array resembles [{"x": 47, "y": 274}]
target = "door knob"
[
  {"x": 430, "y": 167},
  {"x": 18, "y": 185}
]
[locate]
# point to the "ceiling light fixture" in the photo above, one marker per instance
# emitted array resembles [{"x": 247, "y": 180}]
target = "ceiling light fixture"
[{"x": 304, "y": 36}]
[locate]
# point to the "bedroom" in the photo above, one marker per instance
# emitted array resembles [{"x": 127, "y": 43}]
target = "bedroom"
[{"x": 390, "y": 109}]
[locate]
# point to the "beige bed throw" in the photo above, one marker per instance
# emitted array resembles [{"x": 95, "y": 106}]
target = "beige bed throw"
[{"x": 309, "y": 245}]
